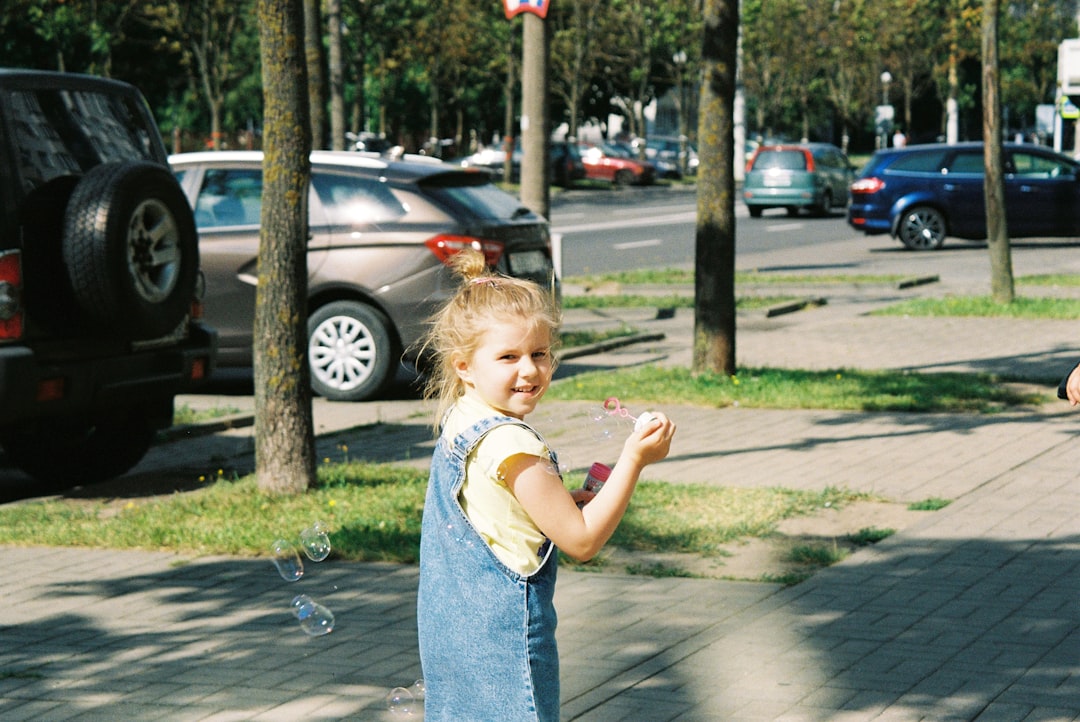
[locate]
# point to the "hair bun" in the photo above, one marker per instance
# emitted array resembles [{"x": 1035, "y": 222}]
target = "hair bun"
[{"x": 469, "y": 264}]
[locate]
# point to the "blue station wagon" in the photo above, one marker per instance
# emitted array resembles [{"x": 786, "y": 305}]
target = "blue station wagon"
[{"x": 922, "y": 194}]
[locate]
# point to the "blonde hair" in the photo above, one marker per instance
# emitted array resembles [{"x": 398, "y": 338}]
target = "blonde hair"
[{"x": 457, "y": 329}]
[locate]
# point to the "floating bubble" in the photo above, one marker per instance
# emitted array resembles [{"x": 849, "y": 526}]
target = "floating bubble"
[
  {"x": 602, "y": 425},
  {"x": 315, "y": 619},
  {"x": 315, "y": 541},
  {"x": 419, "y": 690},
  {"x": 400, "y": 701},
  {"x": 287, "y": 561}
]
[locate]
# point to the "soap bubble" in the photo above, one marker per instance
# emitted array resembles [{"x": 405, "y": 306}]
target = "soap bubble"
[
  {"x": 419, "y": 690},
  {"x": 400, "y": 701},
  {"x": 315, "y": 541},
  {"x": 314, "y": 618},
  {"x": 287, "y": 561},
  {"x": 602, "y": 425}
]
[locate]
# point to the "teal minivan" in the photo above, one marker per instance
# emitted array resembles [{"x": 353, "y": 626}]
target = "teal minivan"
[{"x": 815, "y": 176}]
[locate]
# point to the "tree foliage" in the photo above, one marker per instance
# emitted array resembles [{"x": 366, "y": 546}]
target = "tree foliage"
[{"x": 412, "y": 69}]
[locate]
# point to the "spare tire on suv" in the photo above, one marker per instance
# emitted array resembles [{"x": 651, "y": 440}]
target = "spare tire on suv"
[{"x": 130, "y": 249}]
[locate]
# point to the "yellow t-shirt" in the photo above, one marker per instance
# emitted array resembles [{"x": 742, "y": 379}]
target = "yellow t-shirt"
[{"x": 491, "y": 507}]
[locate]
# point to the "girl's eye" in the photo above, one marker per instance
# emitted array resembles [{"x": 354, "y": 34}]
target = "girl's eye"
[{"x": 540, "y": 354}]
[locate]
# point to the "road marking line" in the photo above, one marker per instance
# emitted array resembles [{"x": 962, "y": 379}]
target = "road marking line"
[{"x": 637, "y": 244}]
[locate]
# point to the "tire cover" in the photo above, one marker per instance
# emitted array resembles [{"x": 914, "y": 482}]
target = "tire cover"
[{"x": 131, "y": 250}]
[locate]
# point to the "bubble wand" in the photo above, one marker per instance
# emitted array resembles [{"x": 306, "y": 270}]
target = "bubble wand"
[{"x": 615, "y": 408}]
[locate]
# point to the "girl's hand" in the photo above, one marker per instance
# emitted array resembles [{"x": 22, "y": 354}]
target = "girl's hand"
[
  {"x": 653, "y": 442},
  {"x": 582, "y": 497},
  {"x": 1072, "y": 386}
]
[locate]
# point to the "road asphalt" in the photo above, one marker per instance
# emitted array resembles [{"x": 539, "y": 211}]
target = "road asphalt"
[{"x": 972, "y": 613}]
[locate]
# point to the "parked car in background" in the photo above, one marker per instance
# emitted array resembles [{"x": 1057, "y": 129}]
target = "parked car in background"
[
  {"x": 565, "y": 163},
  {"x": 380, "y": 235},
  {"x": 814, "y": 176},
  {"x": 671, "y": 151},
  {"x": 664, "y": 167},
  {"x": 607, "y": 163},
  {"x": 921, "y": 194},
  {"x": 99, "y": 279}
]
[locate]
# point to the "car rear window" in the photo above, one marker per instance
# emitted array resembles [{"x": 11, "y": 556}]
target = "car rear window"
[
  {"x": 66, "y": 132},
  {"x": 780, "y": 159},
  {"x": 919, "y": 162},
  {"x": 349, "y": 199},
  {"x": 481, "y": 199}
]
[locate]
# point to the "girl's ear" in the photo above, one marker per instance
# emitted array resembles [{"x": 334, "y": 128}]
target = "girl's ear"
[{"x": 461, "y": 367}]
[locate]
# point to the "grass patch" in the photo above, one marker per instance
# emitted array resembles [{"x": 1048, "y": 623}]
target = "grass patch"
[
  {"x": 700, "y": 519},
  {"x": 373, "y": 512},
  {"x": 662, "y": 571},
  {"x": 816, "y": 555},
  {"x": 680, "y": 276},
  {"x": 1049, "y": 279},
  {"x": 984, "y": 306},
  {"x": 931, "y": 504},
  {"x": 184, "y": 414},
  {"x": 573, "y": 339},
  {"x": 843, "y": 390},
  {"x": 869, "y": 535},
  {"x": 622, "y": 300}
]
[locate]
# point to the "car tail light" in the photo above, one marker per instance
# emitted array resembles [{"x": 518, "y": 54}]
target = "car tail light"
[
  {"x": 446, "y": 246},
  {"x": 867, "y": 186},
  {"x": 11, "y": 309},
  {"x": 198, "y": 368},
  {"x": 50, "y": 389}
]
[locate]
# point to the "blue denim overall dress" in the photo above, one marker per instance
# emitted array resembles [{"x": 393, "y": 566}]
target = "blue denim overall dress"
[{"x": 487, "y": 633}]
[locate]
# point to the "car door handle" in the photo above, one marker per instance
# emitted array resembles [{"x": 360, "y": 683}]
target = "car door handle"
[
  {"x": 950, "y": 186},
  {"x": 1026, "y": 189}
]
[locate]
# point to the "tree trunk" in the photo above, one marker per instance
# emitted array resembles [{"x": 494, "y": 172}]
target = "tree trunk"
[
  {"x": 997, "y": 232},
  {"x": 535, "y": 192},
  {"x": 316, "y": 86},
  {"x": 714, "y": 263},
  {"x": 284, "y": 435},
  {"x": 336, "y": 65}
]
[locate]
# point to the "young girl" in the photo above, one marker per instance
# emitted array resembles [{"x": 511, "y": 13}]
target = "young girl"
[{"x": 496, "y": 507}]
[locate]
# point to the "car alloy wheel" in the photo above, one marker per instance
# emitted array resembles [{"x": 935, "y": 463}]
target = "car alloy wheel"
[{"x": 922, "y": 229}]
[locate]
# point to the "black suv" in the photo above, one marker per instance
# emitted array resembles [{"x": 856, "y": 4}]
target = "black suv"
[{"x": 99, "y": 278}]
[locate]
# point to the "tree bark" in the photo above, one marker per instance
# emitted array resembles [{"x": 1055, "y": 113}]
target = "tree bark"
[
  {"x": 714, "y": 262},
  {"x": 997, "y": 232},
  {"x": 336, "y": 62},
  {"x": 284, "y": 435},
  {"x": 316, "y": 86},
  {"x": 535, "y": 190}
]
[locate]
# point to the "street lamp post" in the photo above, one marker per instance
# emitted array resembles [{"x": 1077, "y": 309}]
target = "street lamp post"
[
  {"x": 886, "y": 78},
  {"x": 679, "y": 59}
]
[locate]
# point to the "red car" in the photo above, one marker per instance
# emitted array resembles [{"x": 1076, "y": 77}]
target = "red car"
[{"x": 605, "y": 162}]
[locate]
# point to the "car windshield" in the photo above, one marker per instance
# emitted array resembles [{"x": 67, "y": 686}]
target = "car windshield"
[
  {"x": 780, "y": 160},
  {"x": 65, "y": 132}
]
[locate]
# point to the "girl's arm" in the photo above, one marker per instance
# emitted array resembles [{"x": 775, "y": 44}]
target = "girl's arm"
[{"x": 581, "y": 533}]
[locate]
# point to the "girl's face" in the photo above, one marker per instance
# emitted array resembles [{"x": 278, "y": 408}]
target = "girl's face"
[{"x": 510, "y": 369}]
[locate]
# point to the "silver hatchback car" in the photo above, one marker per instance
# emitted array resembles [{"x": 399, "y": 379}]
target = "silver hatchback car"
[
  {"x": 381, "y": 232},
  {"x": 815, "y": 176}
]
